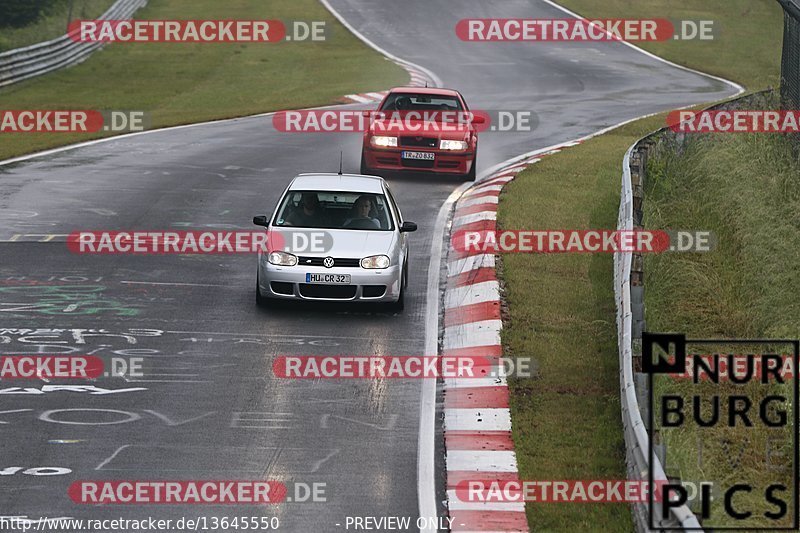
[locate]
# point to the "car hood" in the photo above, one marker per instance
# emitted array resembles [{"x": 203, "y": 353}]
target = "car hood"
[{"x": 337, "y": 243}]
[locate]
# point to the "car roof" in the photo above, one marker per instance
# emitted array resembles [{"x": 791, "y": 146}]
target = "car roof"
[
  {"x": 425, "y": 90},
  {"x": 337, "y": 182}
]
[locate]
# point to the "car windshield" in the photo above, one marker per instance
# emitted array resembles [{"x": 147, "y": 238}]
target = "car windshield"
[
  {"x": 420, "y": 102},
  {"x": 334, "y": 210}
]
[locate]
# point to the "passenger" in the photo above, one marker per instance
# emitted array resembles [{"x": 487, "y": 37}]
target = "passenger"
[{"x": 360, "y": 217}]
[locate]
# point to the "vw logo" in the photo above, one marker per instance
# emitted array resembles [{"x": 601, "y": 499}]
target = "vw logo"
[{"x": 328, "y": 262}]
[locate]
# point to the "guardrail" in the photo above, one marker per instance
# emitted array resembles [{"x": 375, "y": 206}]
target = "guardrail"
[
  {"x": 40, "y": 58},
  {"x": 627, "y": 281},
  {"x": 629, "y": 296}
]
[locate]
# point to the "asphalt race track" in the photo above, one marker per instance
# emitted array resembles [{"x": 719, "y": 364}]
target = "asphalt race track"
[{"x": 208, "y": 406}]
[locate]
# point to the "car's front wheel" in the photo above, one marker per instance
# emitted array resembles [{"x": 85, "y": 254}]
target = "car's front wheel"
[
  {"x": 365, "y": 170},
  {"x": 261, "y": 300},
  {"x": 470, "y": 176},
  {"x": 400, "y": 304}
]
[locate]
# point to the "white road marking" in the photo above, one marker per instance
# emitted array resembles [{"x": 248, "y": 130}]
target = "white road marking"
[
  {"x": 486, "y": 291},
  {"x": 483, "y": 333},
  {"x": 479, "y": 201},
  {"x": 485, "y": 419},
  {"x": 426, "y": 444},
  {"x": 358, "y": 98},
  {"x": 111, "y": 457},
  {"x": 481, "y": 461},
  {"x": 483, "y": 189},
  {"x": 736, "y": 86},
  {"x": 459, "y": 383},
  {"x": 472, "y": 262},
  {"x": 454, "y": 503},
  {"x": 172, "y": 283},
  {"x": 474, "y": 217}
]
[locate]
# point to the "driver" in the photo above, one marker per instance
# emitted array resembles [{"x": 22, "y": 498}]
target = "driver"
[
  {"x": 403, "y": 103},
  {"x": 361, "y": 214},
  {"x": 309, "y": 214}
]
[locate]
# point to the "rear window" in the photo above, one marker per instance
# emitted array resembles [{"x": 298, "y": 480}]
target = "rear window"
[{"x": 421, "y": 102}]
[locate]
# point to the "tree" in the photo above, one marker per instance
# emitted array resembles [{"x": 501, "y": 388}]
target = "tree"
[{"x": 19, "y": 13}]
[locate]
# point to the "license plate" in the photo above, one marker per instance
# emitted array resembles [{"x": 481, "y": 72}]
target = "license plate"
[
  {"x": 328, "y": 279},
  {"x": 424, "y": 156}
]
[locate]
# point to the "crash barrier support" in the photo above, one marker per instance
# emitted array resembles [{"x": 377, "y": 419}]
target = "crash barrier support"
[
  {"x": 790, "y": 58},
  {"x": 40, "y": 58}
]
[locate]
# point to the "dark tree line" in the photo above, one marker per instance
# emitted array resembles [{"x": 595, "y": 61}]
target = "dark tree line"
[{"x": 19, "y": 13}]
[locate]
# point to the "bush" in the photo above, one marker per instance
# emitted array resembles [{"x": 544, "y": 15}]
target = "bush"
[{"x": 19, "y": 13}]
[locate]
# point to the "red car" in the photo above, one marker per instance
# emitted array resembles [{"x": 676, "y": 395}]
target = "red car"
[{"x": 421, "y": 130}]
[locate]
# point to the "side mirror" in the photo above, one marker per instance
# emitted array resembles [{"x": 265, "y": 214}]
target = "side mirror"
[
  {"x": 260, "y": 221},
  {"x": 408, "y": 227}
]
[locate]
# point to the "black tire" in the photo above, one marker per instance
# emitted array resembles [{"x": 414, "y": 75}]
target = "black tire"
[
  {"x": 261, "y": 301},
  {"x": 400, "y": 304},
  {"x": 365, "y": 170},
  {"x": 470, "y": 176}
]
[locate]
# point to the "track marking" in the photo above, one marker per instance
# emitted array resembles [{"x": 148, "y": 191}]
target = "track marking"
[
  {"x": 111, "y": 457},
  {"x": 171, "y": 283}
]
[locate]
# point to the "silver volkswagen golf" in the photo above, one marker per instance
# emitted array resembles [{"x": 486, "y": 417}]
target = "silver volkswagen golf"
[{"x": 335, "y": 237}]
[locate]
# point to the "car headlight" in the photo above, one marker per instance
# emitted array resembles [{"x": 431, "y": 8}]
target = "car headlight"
[
  {"x": 445, "y": 144},
  {"x": 375, "y": 261},
  {"x": 381, "y": 141},
  {"x": 282, "y": 259}
]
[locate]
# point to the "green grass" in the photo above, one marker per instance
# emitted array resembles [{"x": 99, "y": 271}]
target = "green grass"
[
  {"x": 744, "y": 189},
  {"x": 566, "y": 422},
  {"x": 180, "y": 83},
  {"x": 743, "y": 51},
  {"x": 53, "y": 24}
]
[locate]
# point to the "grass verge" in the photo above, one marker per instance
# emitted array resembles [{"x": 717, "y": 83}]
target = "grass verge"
[
  {"x": 52, "y": 24},
  {"x": 744, "y": 189},
  {"x": 178, "y": 83},
  {"x": 566, "y": 422}
]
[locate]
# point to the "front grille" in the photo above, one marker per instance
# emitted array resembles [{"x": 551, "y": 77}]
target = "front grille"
[
  {"x": 417, "y": 163},
  {"x": 427, "y": 142},
  {"x": 448, "y": 164},
  {"x": 281, "y": 287},
  {"x": 337, "y": 261},
  {"x": 342, "y": 292}
]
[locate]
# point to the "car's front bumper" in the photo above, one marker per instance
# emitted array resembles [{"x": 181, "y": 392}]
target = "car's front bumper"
[
  {"x": 444, "y": 162},
  {"x": 289, "y": 283}
]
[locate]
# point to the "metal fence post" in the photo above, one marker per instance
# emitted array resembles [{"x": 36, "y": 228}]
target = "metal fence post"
[{"x": 638, "y": 165}]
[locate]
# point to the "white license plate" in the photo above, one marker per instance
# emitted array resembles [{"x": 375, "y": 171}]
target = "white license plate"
[
  {"x": 328, "y": 279},
  {"x": 424, "y": 156}
]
